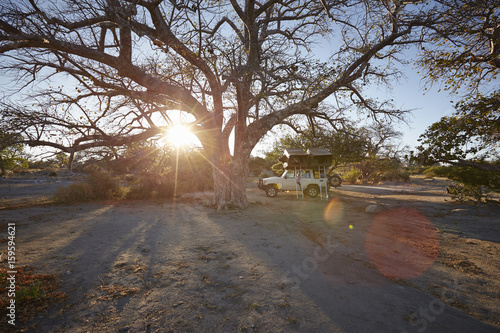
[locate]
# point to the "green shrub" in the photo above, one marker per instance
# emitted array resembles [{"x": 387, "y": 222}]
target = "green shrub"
[
  {"x": 431, "y": 172},
  {"x": 463, "y": 192},
  {"x": 384, "y": 169},
  {"x": 473, "y": 184},
  {"x": 352, "y": 175},
  {"x": 392, "y": 174}
]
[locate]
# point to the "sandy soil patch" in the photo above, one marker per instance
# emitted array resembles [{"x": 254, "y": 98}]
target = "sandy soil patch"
[{"x": 420, "y": 263}]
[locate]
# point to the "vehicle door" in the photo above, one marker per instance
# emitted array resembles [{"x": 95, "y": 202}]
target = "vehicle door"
[{"x": 288, "y": 179}]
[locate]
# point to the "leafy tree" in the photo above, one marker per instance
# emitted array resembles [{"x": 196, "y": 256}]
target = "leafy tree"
[
  {"x": 61, "y": 159},
  {"x": 345, "y": 146},
  {"x": 463, "y": 49},
  {"x": 109, "y": 73},
  {"x": 368, "y": 152},
  {"x": 470, "y": 137},
  {"x": 11, "y": 155},
  {"x": 349, "y": 144},
  {"x": 256, "y": 165},
  {"x": 473, "y": 183}
]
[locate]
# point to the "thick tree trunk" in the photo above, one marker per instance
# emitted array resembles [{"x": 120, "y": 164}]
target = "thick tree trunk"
[
  {"x": 239, "y": 174},
  {"x": 222, "y": 187},
  {"x": 230, "y": 182},
  {"x": 71, "y": 160}
]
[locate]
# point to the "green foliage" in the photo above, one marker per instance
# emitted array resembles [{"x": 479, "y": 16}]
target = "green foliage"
[
  {"x": 256, "y": 165},
  {"x": 463, "y": 192},
  {"x": 473, "y": 183},
  {"x": 364, "y": 151},
  {"x": 11, "y": 155},
  {"x": 346, "y": 146},
  {"x": 384, "y": 169},
  {"x": 351, "y": 175},
  {"x": 374, "y": 169},
  {"x": 29, "y": 292},
  {"x": 60, "y": 159},
  {"x": 470, "y": 134}
]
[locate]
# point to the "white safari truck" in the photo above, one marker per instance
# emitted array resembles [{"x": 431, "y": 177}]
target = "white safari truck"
[{"x": 305, "y": 172}]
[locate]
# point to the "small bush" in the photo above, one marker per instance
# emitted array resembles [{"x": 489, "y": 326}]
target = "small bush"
[
  {"x": 393, "y": 175},
  {"x": 463, "y": 192},
  {"x": 474, "y": 184},
  {"x": 352, "y": 175},
  {"x": 104, "y": 185},
  {"x": 52, "y": 170},
  {"x": 431, "y": 172},
  {"x": 76, "y": 192},
  {"x": 99, "y": 185},
  {"x": 152, "y": 186}
]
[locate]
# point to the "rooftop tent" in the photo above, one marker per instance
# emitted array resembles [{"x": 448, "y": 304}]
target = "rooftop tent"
[
  {"x": 319, "y": 157},
  {"x": 314, "y": 157},
  {"x": 295, "y": 157}
]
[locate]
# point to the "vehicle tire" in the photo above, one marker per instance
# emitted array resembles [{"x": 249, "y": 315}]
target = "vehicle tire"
[
  {"x": 312, "y": 191},
  {"x": 334, "y": 181},
  {"x": 271, "y": 191}
]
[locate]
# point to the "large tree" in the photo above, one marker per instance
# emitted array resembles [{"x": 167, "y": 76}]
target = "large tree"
[
  {"x": 111, "y": 72},
  {"x": 462, "y": 52},
  {"x": 468, "y": 138},
  {"x": 347, "y": 144}
]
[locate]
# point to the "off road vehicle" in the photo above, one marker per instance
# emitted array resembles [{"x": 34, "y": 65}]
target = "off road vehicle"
[
  {"x": 312, "y": 183},
  {"x": 305, "y": 172}
]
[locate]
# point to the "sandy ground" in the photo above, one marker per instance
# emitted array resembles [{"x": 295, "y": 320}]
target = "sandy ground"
[{"x": 419, "y": 263}]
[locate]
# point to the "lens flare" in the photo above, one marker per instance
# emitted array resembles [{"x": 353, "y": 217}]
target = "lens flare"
[
  {"x": 333, "y": 211},
  {"x": 181, "y": 136},
  {"x": 402, "y": 243}
]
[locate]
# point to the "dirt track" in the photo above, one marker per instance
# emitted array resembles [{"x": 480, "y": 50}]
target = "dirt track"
[{"x": 419, "y": 264}]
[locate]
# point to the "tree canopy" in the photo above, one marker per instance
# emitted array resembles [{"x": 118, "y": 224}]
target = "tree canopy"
[
  {"x": 469, "y": 137},
  {"x": 108, "y": 73},
  {"x": 462, "y": 47},
  {"x": 350, "y": 144},
  {"x": 465, "y": 55}
]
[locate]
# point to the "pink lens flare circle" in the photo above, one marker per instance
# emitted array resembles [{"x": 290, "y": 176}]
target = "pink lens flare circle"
[{"x": 402, "y": 243}]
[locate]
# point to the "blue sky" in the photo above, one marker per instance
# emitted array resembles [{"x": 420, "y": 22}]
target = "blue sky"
[{"x": 428, "y": 106}]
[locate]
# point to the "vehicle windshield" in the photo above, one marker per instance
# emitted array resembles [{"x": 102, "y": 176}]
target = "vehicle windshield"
[
  {"x": 304, "y": 173},
  {"x": 288, "y": 174}
]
